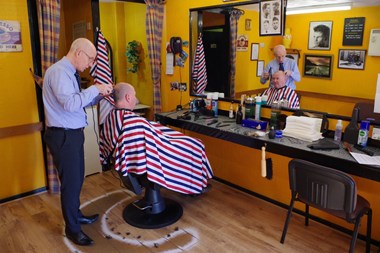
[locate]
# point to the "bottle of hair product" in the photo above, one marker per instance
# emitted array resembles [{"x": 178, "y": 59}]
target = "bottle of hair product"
[
  {"x": 231, "y": 111},
  {"x": 239, "y": 115},
  {"x": 338, "y": 131},
  {"x": 208, "y": 101},
  {"x": 257, "y": 107},
  {"x": 363, "y": 133},
  {"x": 352, "y": 130},
  {"x": 274, "y": 115}
]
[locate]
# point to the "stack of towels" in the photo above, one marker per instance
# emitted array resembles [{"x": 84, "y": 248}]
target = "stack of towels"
[{"x": 303, "y": 128}]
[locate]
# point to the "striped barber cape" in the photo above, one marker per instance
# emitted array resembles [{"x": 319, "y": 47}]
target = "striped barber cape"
[{"x": 170, "y": 158}]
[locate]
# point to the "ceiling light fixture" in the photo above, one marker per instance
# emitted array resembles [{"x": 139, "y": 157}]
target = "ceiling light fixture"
[{"x": 318, "y": 8}]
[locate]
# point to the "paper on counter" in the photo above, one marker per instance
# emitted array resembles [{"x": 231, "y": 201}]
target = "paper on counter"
[
  {"x": 377, "y": 96},
  {"x": 366, "y": 159}
]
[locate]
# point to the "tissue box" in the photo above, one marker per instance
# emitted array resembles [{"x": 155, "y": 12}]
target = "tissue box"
[{"x": 255, "y": 124}]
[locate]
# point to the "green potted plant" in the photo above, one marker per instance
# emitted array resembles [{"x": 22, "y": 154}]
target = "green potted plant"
[{"x": 133, "y": 55}]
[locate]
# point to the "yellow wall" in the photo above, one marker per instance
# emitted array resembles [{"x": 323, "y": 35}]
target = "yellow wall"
[
  {"x": 22, "y": 167},
  {"x": 121, "y": 23}
]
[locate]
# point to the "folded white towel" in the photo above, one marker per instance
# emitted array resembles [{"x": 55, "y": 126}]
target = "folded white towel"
[{"x": 304, "y": 128}]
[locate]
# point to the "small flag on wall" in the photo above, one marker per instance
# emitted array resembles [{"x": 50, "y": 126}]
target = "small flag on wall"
[{"x": 199, "y": 74}]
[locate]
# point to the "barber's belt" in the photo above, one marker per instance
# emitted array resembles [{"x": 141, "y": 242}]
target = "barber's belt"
[{"x": 64, "y": 129}]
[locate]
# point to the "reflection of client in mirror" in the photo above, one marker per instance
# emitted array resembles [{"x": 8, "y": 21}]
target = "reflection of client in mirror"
[
  {"x": 280, "y": 91},
  {"x": 283, "y": 63},
  {"x": 321, "y": 36}
]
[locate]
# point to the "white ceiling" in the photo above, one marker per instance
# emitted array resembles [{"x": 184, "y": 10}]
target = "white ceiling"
[{"x": 355, "y": 3}]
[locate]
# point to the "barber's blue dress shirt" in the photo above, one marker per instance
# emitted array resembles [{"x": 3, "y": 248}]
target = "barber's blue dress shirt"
[
  {"x": 63, "y": 100},
  {"x": 289, "y": 64}
]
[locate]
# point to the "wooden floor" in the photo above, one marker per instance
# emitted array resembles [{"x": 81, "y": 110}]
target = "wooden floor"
[{"x": 222, "y": 220}]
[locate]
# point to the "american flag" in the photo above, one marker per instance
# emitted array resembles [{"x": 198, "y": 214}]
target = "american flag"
[
  {"x": 169, "y": 158},
  {"x": 199, "y": 68},
  {"x": 101, "y": 72}
]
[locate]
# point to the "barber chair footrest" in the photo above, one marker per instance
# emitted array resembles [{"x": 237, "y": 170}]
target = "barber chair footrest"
[{"x": 136, "y": 217}]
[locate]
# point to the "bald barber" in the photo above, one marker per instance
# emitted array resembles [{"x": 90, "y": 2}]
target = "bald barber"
[
  {"x": 282, "y": 63},
  {"x": 65, "y": 118}
]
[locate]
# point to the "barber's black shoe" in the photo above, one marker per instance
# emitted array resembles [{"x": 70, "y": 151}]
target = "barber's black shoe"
[
  {"x": 79, "y": 238},
  {"x": 88, "y": 219}
]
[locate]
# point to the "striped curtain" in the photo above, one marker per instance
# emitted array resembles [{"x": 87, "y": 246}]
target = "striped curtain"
[
  {"x": 49, "y": 28},
  {"x": 234, "y": 18},
  {"x": 154, "y": 19}
]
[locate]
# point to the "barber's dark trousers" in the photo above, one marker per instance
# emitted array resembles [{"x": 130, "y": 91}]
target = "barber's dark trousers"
[{"x": 66, "y": 147}]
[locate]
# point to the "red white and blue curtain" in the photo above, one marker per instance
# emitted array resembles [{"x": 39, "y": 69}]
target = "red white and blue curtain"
[
  {"x": 170, "y": 158},
  {"x": 154, "y": 20},
  {"x": 101, "y": 72},
  {"x": 49, "y": 14},
  {"x": 234, "y": 18},
  {"x": 199, "y": 72}
]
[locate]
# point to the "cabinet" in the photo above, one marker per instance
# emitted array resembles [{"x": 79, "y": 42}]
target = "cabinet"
[{"x": 91, "y": 147}]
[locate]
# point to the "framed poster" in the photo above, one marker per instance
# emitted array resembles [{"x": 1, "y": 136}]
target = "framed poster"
[
  {"x": 242, "y": 43},
  {"x": 353, "y": 31},
  {"x": 319, "y": 66},
  {"x": 260, "y": 68},
  {"x": 271, "y": 17},
  {"x": 351, "y": 59},
  {"x": 254, "y": 51},
  {"x": 320, "y": 35}
]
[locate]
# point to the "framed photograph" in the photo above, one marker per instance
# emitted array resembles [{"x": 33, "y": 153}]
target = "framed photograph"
[
  {"x": 254, "y": 51},
  {"x": 319, "y": 66},
  {"x": 351, "y": 59},
  {"x": 260, "y": 68},
  {"x": 271, "y": 17},
  {"x": 320, "y": 35},
  {"x": 248, "y": 24}
]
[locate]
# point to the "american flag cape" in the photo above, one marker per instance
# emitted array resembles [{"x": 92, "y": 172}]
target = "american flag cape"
[
  {"x": 199, "y": 72},
  {"x": 170, "y": 158},
  {"x": 101, "y": 72},
  {"x": 282, "y": 93}
]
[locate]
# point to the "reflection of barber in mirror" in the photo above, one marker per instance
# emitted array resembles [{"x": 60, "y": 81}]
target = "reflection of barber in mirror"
[
  {"x": 280, "y": 91},
  {"x": 281, "y": 62}
]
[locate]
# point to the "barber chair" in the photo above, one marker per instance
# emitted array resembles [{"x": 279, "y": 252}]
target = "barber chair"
[{"x": 152, "y": 211}]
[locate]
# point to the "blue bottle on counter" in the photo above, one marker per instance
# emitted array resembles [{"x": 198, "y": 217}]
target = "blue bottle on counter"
[
  {"x": 214, "y": 103},
  {"x": 363, "y": 133}
]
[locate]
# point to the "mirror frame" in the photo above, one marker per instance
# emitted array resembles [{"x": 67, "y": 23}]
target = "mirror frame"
[{"x": 199, "y": 28}]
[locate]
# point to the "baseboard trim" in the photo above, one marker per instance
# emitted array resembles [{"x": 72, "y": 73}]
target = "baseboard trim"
[{"x": 22, "y": 195}]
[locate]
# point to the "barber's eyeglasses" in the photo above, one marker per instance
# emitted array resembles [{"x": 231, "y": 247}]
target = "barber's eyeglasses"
[{"x": 90, "y": 59}]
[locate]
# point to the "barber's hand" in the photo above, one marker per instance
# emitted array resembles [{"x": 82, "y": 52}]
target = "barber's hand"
[
  {"x": 104, "y": 89},
  {"x": 266, "y": 75},
  {"x": 288, "y": 72}
]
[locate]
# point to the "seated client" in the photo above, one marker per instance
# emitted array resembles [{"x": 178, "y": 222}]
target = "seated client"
[
  {"x": 169, "y": 158},
  {"x": 280, "y": 91}
]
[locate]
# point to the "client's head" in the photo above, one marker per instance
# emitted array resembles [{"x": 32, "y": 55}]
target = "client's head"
[
  {"x": 125, "y": 96},
  {"x": 279, "y": 79}
]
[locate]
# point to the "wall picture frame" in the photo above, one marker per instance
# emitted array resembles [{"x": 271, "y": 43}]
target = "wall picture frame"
[
  {"x": 351, "y": 59},
  {"x": 320, "y": 35},
  {"x": 318, "y": 66},
  {"x": 260, "y": 68},
  {"x": 272, "y": 19},
  {"x": 254, "y": 51}
]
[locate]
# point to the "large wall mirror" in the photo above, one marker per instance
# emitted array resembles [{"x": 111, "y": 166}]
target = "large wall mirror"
[{"x": 213, "y": 23}]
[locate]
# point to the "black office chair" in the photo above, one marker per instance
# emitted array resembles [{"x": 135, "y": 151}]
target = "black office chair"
[
  {"x": 152, "y": 211},
  {"x": 328, "y": 190}
]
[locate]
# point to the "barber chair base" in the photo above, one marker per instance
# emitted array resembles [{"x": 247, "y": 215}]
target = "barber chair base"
[{"x": 143, "y": 219}]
